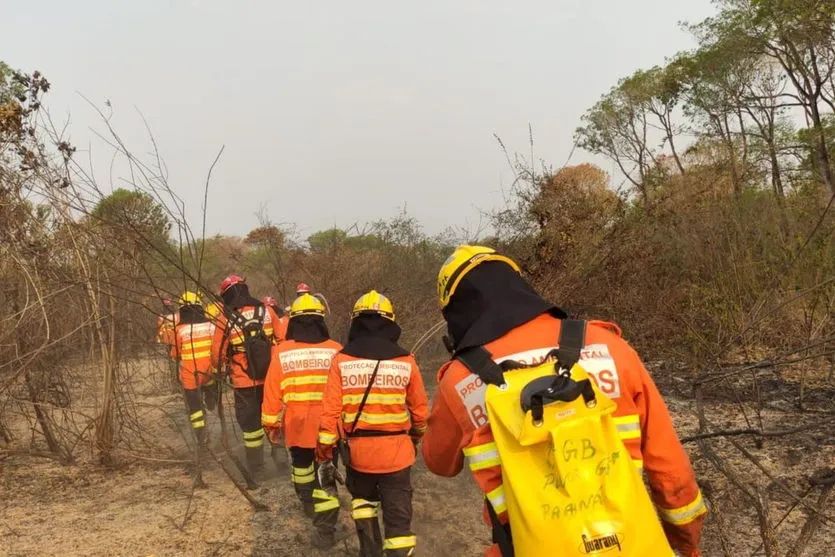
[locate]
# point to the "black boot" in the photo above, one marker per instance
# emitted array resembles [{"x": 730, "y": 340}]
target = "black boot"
[
  {"x": 371, "y": 541},
  {"x": 255, "y": 466}
]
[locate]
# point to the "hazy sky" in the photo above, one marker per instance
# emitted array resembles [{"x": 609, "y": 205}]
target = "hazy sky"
[{"x": 336, "y": 112}]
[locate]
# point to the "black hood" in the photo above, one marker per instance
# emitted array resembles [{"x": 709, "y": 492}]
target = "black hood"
[
  {"x": 192, "y": 313},
  {"x": 374, "y": 337},
  {"x": 307, "y": 328},
  {"x": 237, "y": 296},
  {"x": 489, "y": 301}
]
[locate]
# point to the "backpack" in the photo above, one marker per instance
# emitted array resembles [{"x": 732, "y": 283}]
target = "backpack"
[
  {"x": 569, "y": 482},
  {"x": 256, "y": 345}
]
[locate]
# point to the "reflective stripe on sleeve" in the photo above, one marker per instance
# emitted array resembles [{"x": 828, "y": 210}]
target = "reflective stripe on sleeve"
[
  {"x": 483, "y": 456},
  {"x": 269, "y": 419},
  {"x": 629, "y": 427},
  {"x": 326, "y": 438},
  {"x": 497, "y": 499},
  {"x": 686, "y": 514},
  {"x": 401, "y": 542}
]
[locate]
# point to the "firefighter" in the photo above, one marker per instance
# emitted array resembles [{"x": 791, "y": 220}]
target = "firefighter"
[
  {"x": 302, "y": 288},
  {"x": 166, "y": 323},
  {"x": 486, "y": 302},
  {"x": 193, "y": 338},
  {"x": 283, "y": 320},
  {"x": 244, "y": 322},
  {"x": 292, "y": 406},
  {"x": 375, "y": 396}
]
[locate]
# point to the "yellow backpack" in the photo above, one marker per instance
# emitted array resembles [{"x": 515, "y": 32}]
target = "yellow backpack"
[{"x": 570, "y": 486}]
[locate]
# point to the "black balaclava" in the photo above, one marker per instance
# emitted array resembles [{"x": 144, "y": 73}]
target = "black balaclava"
[
  {"x": 237, "y": 296},
  {"x": 489, "y": 301},
  {"x": 375, "y": 337},
  {"x": 307, "y": 328},
  {"x": 192, "y": 313}
]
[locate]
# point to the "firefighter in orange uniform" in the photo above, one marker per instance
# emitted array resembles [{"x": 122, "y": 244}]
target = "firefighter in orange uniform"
[
  {"x": 486, "y": 302},
  {"x": 193, "y": 338},
  {"x": 242, "y": 313},
  {"x": 292, "y": 405},
  {"x": 375, "y": 398},
  {"x": 166, "y": 324},
  {"x": 283, "y": 320}
]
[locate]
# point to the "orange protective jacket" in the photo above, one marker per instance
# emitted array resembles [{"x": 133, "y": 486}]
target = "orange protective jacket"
[
  {"x": 458, "y": 423},
  {"x": 194, "y": 351},
  {"x": 224, "y": 342},
  {"x": 294, "y": 389},
  {"x": 396, "y": 403},
  {"x": 165, "y": 332}
]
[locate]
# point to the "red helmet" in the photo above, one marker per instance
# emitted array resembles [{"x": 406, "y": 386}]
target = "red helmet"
[
  {"x": 269, "y": 301},
  {"x": 302, "y": 288},
  {"x": 231, "y": 280}
]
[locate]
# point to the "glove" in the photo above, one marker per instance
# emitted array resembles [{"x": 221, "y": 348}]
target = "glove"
[
  {"x": 275, "y": 434},
  {"x": 416, "y": 436},
  {"x": 324, "y": 453}
]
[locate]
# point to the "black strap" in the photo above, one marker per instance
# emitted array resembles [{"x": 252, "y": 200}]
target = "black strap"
[
  {"x": 362, "y": 402},
  {"x": 501, "y": 532},
  {"x": 479, "y": 361},
  {"x": 572, "y": 341}
]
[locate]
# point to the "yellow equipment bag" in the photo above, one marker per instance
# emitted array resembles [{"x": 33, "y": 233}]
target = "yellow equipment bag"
[{"x": 570, "y": 486}]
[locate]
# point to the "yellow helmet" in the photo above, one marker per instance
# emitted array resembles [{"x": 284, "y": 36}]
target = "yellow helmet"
[
  {"x": 307, "y": 305},
  {"x": 190, "y": 298},
  {"x": 213, "y": 310},
  {"x": 461, "y": 262},
  {"x": 374, "y": 302}
]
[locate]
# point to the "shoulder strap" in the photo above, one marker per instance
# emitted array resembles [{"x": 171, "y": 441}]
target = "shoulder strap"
[
  {"x": 360, "y": 408},
  {"x": 572, "y": 341},
  {"x": 479, "y": 361}
]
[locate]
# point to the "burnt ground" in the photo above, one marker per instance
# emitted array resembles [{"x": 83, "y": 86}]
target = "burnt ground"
[{"x": 145, "y": 505}]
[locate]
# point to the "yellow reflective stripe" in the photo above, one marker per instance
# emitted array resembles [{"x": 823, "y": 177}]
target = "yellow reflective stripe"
[
  {"x": 326, "y": 438},
  {"x": 629, "y": 427},
  {"x": 268, "y": 331},
  {"x": 378, "y": 419},
  {"x": 320, "y": 494},
  {"x": 303, "y": 397},
  {"x": 483, "y": 456},
  {"x": 364, "y": 512},
  {"x": 685, "y": 514},
  {"x": 254, "y": 439},
  {"x": 497, "y": 499},
  {"x": 376, "y": 398},
  {"x": 305, "y": 476},
  {"x": 304, "y": 380},
  {"x": 195, "y": 415},
  {"x": 325, "y": 506},
  {"x": 184, "y": 355},
  {"x": 198, "y": 424},
  {"x": 199, "y": 344},
  {"x": 356, "y": 503},
  {"x": 269, "y": 419},
  {"x": 402, "y": 542}
]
